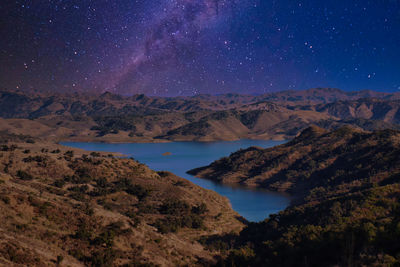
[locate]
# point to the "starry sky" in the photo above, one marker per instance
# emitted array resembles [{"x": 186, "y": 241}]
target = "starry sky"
[{"x": 186, "y": 47}]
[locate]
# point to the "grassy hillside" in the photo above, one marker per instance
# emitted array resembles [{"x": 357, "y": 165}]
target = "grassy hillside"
[
  {"x": 61, "y": 205},
  {"x": 304, "y": 163},
  {"x": 346, "y": 208},
  {"x": 354, "y": 229}
]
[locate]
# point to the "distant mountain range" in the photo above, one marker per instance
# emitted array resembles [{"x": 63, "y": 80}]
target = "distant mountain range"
[
  {"x": 22, "y": 104},
  {"x": 139, "y": 118}
]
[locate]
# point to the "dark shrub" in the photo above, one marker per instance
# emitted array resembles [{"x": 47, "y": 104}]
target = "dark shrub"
[
  {"x": 24, "y": 175},
  {"x": 175, "y": 207},
  {"x": 59, "y": 183},
  {"x": 69, "y": 153},
  {"x": 201, "y": 209},
  {"x": 83, "y": 232}
]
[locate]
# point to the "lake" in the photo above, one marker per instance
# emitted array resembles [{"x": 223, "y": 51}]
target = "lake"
[{"x": 179, "y": 157}]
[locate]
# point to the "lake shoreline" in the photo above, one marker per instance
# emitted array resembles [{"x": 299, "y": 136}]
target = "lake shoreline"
[
  {"x": 254, "y": 204},
  {"x": 150, "y": 140}
]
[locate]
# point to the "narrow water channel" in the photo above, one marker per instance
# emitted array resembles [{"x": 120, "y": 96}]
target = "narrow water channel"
[{"x": 254, "y": 205}]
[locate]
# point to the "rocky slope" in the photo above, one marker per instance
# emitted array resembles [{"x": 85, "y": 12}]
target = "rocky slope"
[{"x": 74, "y": 208}]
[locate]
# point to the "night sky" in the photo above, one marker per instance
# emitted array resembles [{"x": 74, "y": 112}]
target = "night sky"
[{"x": 185, "y": 47}]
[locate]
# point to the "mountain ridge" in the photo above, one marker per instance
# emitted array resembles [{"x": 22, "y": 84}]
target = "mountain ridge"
[{"x": 114, "y": 118}]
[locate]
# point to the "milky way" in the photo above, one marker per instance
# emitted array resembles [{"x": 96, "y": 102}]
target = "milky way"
[
  {"x": 185, "y": 47},
  {"x": 173, "y": 38}
]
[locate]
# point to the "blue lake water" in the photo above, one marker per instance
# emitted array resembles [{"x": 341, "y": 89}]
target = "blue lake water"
[{"x": 254, "y": 205}]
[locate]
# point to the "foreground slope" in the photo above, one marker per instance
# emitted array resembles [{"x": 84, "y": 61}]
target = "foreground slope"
[
  {"x": 346, "y": 208},
  {"x": 62, "y": 205}
]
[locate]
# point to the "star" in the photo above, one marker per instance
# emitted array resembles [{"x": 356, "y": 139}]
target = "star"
[{"x": 170, "y": 47}]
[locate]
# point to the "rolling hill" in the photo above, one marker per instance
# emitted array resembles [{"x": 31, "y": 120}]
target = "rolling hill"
[
  {"x": 345, "y": 210},
  {"x": 305, "y": 163},
  {"x": 70, "y": 207}
]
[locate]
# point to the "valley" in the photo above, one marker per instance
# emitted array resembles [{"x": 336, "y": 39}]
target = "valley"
[{"x": 97, "y": 207}]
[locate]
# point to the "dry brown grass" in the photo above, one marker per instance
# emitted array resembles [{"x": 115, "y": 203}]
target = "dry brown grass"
[{"x": 61, "y": 211}]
